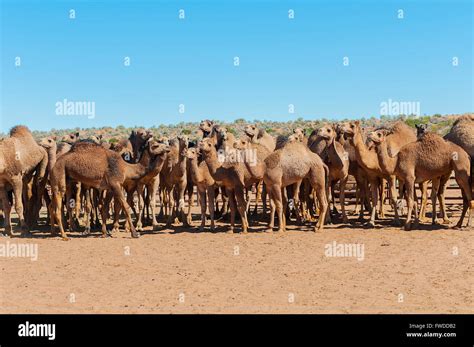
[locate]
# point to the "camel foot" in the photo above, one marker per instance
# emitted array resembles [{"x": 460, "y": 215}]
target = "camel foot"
[
  {"x": 423, "y": 220},
  {"x": 397, "y": 223},
  {"x": 135, "y": 234},
  {"x": 446, "y": 221},
  {"x": 244, "y": 231},
  {"x": 155, "y": 227},
  {"x": 65, "y": 238},
  {"x": 25, "y": 234},
  {"x": 230, "y": 231},
  {"x": 139, "y": 227},
  {"x": 369, "y": 224},
  {"x": 201, "y": 228},
  {"x": 115, "y": 229},
  {"x": 345, "y": 220},
  {"x": 407, "y": 226},
  {"x": 86, "y": 231}
]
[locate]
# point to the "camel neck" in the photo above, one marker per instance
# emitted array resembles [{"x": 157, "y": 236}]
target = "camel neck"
[
  {"x": 195, "y": 172},
  {"x": 387, "y": 163},
  {"x": 213, "y": 165},
  {"x": 363, "y": 155},
  {"x": 51, "y": 158}
]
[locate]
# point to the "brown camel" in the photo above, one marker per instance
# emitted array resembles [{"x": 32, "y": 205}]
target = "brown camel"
[
  {"x": 206, "y": 127},
  {"x": 260, "y": 136},
  {"x": 174, "y": 181},
  {"x": 253, "y": 154},
  {"x": 138, "y": 139},
  {"x": 205, "y": 183},
  {"x": 153, "y": 158},
  {"x": 428, "y": 158},
  {"x": 233, "y": 176},
  {"x": 20, "y": 157},
  {"x": 287, "y": 166},
  {"x": 367, "y": 158},
  {"x": 95, "y": 167},
  {"x": 337, "y": 161}
]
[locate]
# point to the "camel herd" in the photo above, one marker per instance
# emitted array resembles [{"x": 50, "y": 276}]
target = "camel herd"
[{"x": 84, "y": 183}]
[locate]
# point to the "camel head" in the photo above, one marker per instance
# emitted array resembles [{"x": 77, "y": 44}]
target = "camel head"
[
  {"x": 206, "y": 127},
  {"x": 71, "y": 138},
  {"x": 298, "y": 134},
  {"x": 157, "y": 148},
  {"x": 241, "y": 144},
  {"x": 183, "y": 142},
  {"x": 96, "y": 139},
  {"x": 421, "y": 130},
  {"x": 251, "y": 130},
  {"x": 48, "y": 142},
  {"x": 327, "y": 132},
  {"x": 350, "y": 129},
  {"x": 192, "y": 153},
  {"x": 206, "y": 146},
  {"x": 377, "y": 136}
]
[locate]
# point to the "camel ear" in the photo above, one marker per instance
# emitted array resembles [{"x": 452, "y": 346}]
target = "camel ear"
[
  {"x": 77, "y": 134},
  {"x": 54, "y": 138},
  {"x": 357, "y": 122}
]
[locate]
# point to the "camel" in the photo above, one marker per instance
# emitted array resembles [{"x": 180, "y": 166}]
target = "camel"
[
  {"x": 257, "y": 135},
  {"x": 287, "y": 166},
  {"x": 233, "y": 176},
  {"x": 205, "y": 183},
  {"x": 367, "y": 158},
  {"x": 253, "y": 153},
  {"x": 138, "y": 139},
  {"x": 462, "y": 134},
  {"x": 174, "y": 180},
  {"x": 206, "y": 127},
  {"x": 428, "y": 158},
  {"x": 337, "y": 161},
  {"x": 95, "y": 167},
  {"x": 20, "y": 157},
  {"x": 153, "y": 158}
]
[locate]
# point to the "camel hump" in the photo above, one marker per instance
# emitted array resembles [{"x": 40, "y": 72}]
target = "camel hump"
[{"x": 20, "y": 131}]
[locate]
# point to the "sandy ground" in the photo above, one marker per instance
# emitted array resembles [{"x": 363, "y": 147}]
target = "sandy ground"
[{"x": 186, "y": 271}]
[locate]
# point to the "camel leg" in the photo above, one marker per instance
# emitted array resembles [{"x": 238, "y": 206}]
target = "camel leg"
[
  {"x": 232, "y": 204},
  {"x": 103, "y": 206},
  {"x": 118, "y": 194},
  {"x": 117, "y": 210},
  {"x": 7, "y": 208},
  {"x": 271, "y": 222},
  {"x": 181, "y": 207},
  {"x": 242, "y": 207},
  {"x": 211, "y": 202},
  {"x": 342, "y": 198},
  {"x": 153, "y": 190},
  {"x": 434, "y": 196},
  {"x": 393, "y": 199},
  {"x": 424, "y": 200},
  {"x": 87, "y": 211},
  {"x": 442, "y": 202},
  {"x": 17, "y": 184},
  {"x": 383, "y": 186},
  {"x": 320, "y": 194},
  {"x": 374, "y": 185},
  {"x": 264, "y": 199},
  {"x": 277, "y": 198},
  {"x": 57, "y": 211},
  {"x": 141, "y": 206},
  {"x": 202, "y": 202},
  {"x": 463, "y": 179},
  {"x": 410, "y": 192}
]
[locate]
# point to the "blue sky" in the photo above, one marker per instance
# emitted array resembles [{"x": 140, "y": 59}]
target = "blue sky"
[{"x": 191, "y": 62}]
